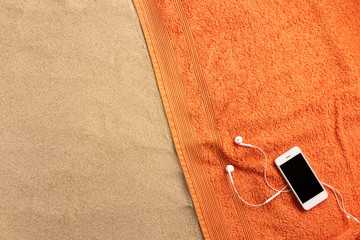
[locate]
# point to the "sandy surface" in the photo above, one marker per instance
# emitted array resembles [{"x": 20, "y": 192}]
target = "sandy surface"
[{"x": 85, "y": 148}]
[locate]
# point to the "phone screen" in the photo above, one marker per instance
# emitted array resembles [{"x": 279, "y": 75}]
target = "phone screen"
[{"x": 301, "y": 178}]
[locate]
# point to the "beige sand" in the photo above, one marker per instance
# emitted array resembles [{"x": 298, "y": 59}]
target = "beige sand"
[{"x": 85, "y": 149}]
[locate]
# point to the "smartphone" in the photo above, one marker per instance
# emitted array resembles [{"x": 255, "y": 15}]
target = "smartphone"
[{"x": 301, "y": 178}]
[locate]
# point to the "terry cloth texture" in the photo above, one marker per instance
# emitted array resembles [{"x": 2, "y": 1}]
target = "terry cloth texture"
[
  {"x": 85, "y": 148},
  {"x": 279, "y": 74}
]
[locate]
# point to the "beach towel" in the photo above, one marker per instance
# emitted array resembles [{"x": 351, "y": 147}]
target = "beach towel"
[{"x": 279, "y": 74}]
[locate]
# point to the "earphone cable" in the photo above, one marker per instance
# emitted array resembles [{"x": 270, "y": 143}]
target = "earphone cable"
[
  {"x": 342, "y": 205},
  {"x": 254, "y": 205},
  {"x": 282, "y": 190}
]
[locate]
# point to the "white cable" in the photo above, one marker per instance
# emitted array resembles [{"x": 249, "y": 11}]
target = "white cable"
[
  {"x": 254, "y": 205},
  {"x": 282, "y": 190},
  {"x": 238, "y": 140},
  {"x": 342, "y": 206}
]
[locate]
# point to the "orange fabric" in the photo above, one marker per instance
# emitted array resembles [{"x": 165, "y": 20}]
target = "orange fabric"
[{"x": 278, "y": 73}]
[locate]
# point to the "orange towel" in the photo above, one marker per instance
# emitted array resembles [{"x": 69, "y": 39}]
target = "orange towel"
[{"x": 278, "y": 73}]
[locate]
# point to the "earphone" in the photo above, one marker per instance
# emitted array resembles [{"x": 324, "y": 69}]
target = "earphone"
[
  {"x": 230, "y": 168},
  {"x": 239, "y": 141}
]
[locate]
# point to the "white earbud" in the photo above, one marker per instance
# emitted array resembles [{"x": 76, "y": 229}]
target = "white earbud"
[
  {"x": 239, "y": 141},
  {"x": 229, "y": 168}
]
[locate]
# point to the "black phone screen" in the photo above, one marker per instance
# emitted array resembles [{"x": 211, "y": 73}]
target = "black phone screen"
[{"x": 301, "y": 178}]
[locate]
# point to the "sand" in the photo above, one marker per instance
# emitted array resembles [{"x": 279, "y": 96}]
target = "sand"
[{"x": 85, "y": 148}]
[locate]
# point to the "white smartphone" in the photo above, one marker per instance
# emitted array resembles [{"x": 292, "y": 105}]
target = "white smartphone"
[{"x": 301, "y": 178}]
